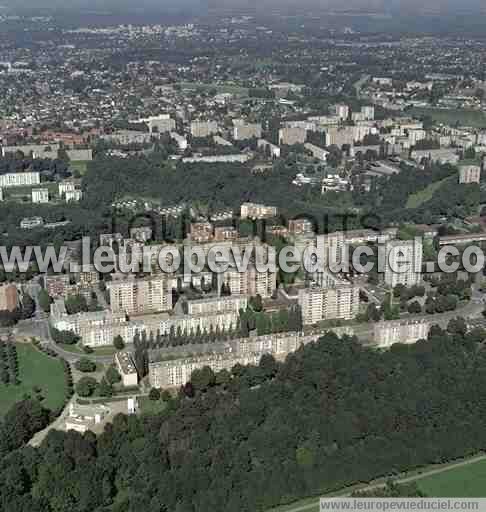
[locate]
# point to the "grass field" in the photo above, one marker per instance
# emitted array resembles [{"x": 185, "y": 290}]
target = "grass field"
[
  {"x": 79, "y": 165},
  {"x": 471, "y": 118},
  {"x": 462, "y": 482},
  {"x": 421, "y": 197},
  {"x": 35, "y": 369},
  {"x": 148, "y": 406}
]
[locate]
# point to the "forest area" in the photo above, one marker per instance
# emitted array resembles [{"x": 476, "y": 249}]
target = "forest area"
[{"x": 334, "y": 414}]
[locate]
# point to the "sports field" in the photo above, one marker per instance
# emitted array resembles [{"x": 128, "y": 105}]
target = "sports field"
[
  {"x": 462, "y": 482},
  {"x": 35, "y": 370}
]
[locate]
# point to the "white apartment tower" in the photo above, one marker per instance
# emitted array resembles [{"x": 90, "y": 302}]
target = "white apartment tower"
[
  {"x": 403, "y": 263},
  {"x": 141, "y": 296},
  {"x": 340, "y": 301}
]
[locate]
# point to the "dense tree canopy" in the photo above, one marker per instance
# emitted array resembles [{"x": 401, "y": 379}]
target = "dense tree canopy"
[{"x": 333, "y": 414}]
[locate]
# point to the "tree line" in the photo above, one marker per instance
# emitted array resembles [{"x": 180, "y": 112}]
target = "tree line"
[{"x": 333, "y": 414}]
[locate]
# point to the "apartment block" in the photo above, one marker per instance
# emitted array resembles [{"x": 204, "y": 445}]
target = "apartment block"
[
  {"x": 333, "y": 249},
  {"x": 168, "y": 371},
  {"x": 73, "y": 195},
  {"x": 469, "y": 174},
  {"x": 140, "y": 296},
  {"x": 159, "y": 124},
  {"x": 403, "y": 262},
  {"x": 66, "y": 186},
  {"x": 243, "y": 131},
  {"x": 165, "y": 324},
  {"x": 56, "y": 284},
  {"x": 416, "y": 135},
  {"x": 317, "y": 152},
  {"x": 9, "y": 297},
  {"x": 173, "y": 374},
  {"x": 250, "y": 282},
  {"x": 96, "y": 329},
  {"x": 40, "y": 195},
  {"x": 368, "y": 113},
  {"x": 291, "y": 136},
  {"x": 273, "y": 150},
  {"x": 341, "y": 111},
  {"x": 19, "y": 179},
  {"x": 214, "y": 305},
  {"x": 387, "y": 334},
  {"x": 301, "y": 226},
  {"x": 126, "y": 137},
  {"x": 180, "y": 140},
  {"x": 341, "y": 301},
  {"x": 225, "y": 233},
  {"x": 203, "y": 129},
  {"x": 257, "y": 211},
  {"x": 201, "y": 232},
  {"x": 77, "y": 155},
  {"x": 36, "y": 150}
]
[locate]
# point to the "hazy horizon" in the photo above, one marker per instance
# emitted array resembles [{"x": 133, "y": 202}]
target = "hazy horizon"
[{"x": 387, "y": 6}]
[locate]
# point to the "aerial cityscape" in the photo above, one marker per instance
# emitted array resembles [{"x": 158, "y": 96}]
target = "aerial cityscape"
[{"x": 242, "y": 255}]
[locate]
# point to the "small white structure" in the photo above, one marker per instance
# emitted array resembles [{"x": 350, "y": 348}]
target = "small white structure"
[
  {"x": 40, "y": 195},
  {"x": 81, "y": 417},
  {"x": 126, "y": 369},
  {"x": 74, "y": 195},
  {"x": 132, "y": 405}
]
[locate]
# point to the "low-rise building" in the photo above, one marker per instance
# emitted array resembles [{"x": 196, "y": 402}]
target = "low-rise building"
[
  {"x": 180, "y": 140},
  {"x": 126, "y": 369},
  {"x": 272, "y": 149},
  {"x": 31, "y": 222},
  {"x": 317, "y": 152},
  {"x": 201, "y": 232},
  {"x": 257, "y": 211}
]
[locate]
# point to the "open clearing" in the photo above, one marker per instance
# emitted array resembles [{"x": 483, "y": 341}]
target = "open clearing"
[
  {"x": 463, "y": 482},
  {"x": 421, "y": 197},
  {"x": 35, "y": 370}
]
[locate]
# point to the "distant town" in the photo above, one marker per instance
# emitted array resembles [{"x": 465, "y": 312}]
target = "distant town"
[{"x": 247, "y": 135}]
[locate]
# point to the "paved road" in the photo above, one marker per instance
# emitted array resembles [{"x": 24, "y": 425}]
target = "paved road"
[{"x": 403, "y": 480}]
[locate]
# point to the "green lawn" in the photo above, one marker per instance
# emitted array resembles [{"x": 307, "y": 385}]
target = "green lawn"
[
  {"x": 471, "y": 118},
  {"x": 35, "y": 369},
  {"x": 105, "y": 351},
  {"x": 463, "y": 482},
  {"x": 148, "y": 406},
  {"x": 79, "y": 165},
  {"x": 421, "y": 197},
  {"x": 74, "y": 349}
]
